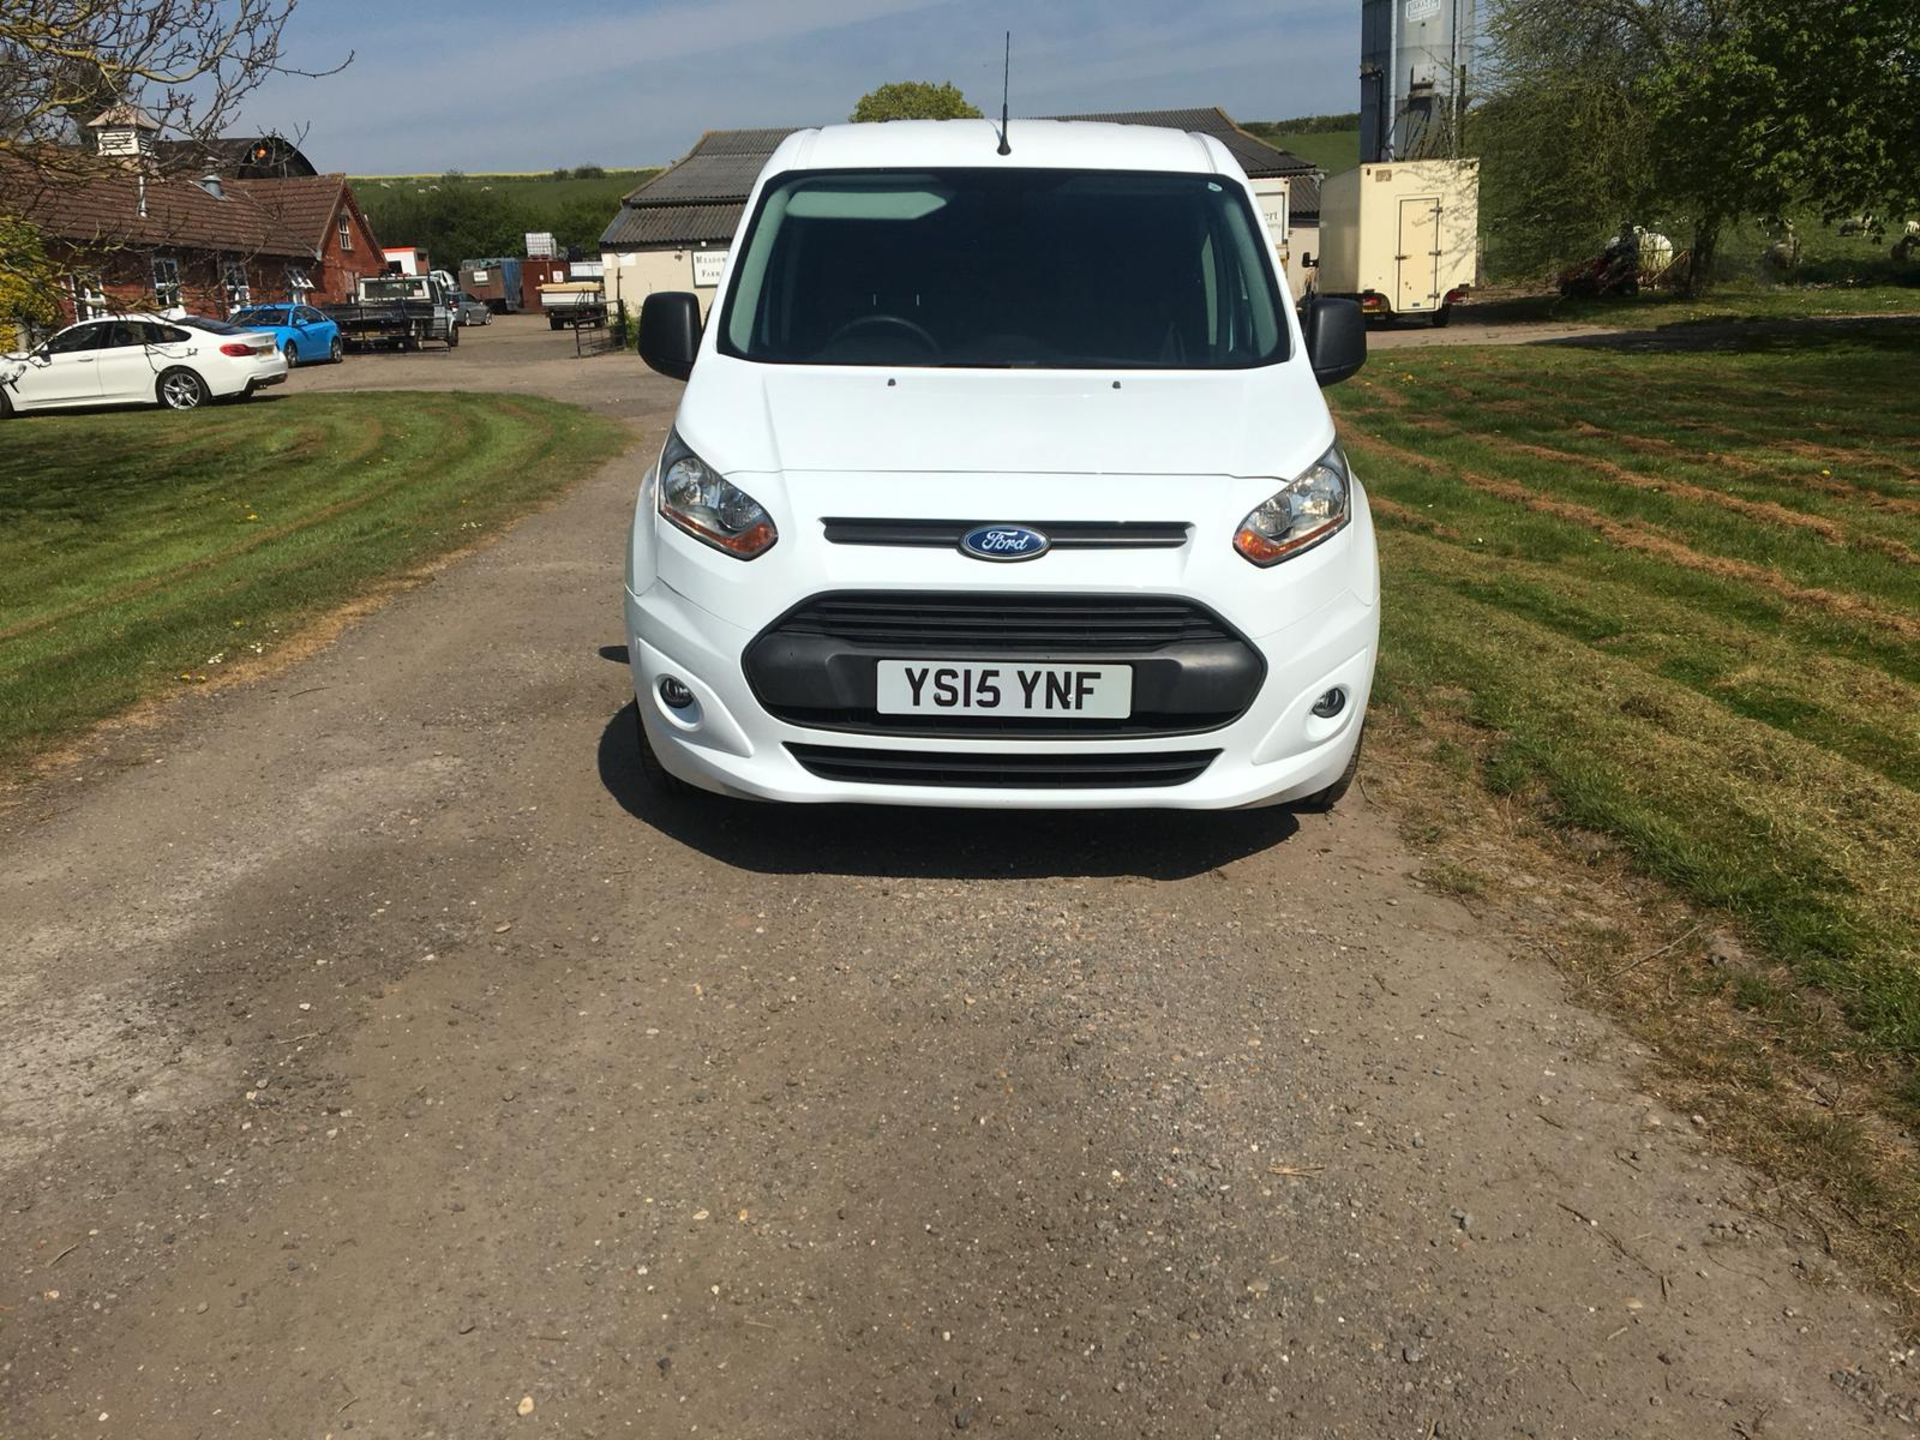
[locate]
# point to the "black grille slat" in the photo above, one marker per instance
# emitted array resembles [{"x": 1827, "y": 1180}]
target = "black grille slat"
[
  {"x": 1029, "y": 771},
  {"x": 1037, "y": 622},
  {"x": 1063, "y": 534}
]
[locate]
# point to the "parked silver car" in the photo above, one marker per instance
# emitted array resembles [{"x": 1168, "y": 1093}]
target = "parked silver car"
[{"x": 471, "y": 311}]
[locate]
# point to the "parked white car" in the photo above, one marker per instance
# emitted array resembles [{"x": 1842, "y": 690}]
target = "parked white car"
[
  {"x": 1003, "y": 480},
  {"x": 141, "y": 360}
]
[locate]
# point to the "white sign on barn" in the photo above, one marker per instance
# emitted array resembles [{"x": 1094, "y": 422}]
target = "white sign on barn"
[
  {"x": 707, "y": 265},
  {"x": 1272, "y": 195}
]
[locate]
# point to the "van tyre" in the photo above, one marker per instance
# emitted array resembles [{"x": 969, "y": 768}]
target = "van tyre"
[
  {"x": 660, "y": 780},
  {"x": 180, "y": 389},
  {"x": 1442, "y": 316},
  {"x": 453, "y": 336},
  {"x": 1321, "y": 801}
]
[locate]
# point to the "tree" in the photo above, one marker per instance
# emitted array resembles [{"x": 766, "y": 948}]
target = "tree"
[
  {"x": 1787, "y": 105},
  {"x": 453, "y": 218},
  {"x": 26, "y": 282},
  {"x": 1565, "y": 132},
  {"x": 914, "y": 100},
  {"x": 189, "y": 64},
  {"x": 1689, "y": 115},
  {"x": 579, "y": 224}
]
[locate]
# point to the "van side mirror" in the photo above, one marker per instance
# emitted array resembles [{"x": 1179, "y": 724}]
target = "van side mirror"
[
  {"x": 1336, "y": 338},
  {"x": 670, "y": 332}
]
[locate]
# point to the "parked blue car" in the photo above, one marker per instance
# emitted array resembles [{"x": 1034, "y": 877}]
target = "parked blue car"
[{"x": 306, "y": 336}]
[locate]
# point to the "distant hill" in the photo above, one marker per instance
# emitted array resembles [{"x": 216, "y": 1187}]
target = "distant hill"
[
  {"x": 480, "y": 214},
  {"x": 538, "y": 188},
  {"x": 1331, "y": 142}
]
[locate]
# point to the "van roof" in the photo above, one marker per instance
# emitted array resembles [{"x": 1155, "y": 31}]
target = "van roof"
[{"x": 1037, "y": 144}]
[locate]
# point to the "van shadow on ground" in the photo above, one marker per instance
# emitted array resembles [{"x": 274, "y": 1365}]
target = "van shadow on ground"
[
  {"x": 935, "y": 844},
  {"x": 1897, "y": 333}
]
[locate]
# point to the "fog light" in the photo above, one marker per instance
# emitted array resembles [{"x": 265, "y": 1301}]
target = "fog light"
[
  {"x": 1327, "y": 706},
  {"x": 675, "y": 693}
]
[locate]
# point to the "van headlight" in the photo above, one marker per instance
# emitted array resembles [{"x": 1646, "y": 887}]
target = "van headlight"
[
  {"x": 709, "y": 507},
  {"x": 1300, "y": 515}
]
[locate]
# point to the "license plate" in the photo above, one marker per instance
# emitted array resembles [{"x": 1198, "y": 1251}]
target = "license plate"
[{"x": 941, "y": 687}]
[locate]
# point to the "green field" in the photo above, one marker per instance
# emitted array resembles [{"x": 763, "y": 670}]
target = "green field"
[
  {"x": 1683, "y": 590},
  {"x": 1329, "y": 150},
  {"x": 143, "y": 551},
  {"x": 539, "y": 192}
]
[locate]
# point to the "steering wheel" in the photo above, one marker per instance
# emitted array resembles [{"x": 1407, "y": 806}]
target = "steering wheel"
[{"x": 895, "y": 322}]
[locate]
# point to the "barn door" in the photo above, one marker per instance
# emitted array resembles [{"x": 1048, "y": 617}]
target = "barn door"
[{"x": 1419, "y": 254}]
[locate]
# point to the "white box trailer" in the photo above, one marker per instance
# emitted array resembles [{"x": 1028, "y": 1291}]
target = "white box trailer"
[{"x": 1402, "y": 239}]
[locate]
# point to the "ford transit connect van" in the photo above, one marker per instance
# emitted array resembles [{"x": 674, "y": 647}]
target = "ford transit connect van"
[{"x": 1003, "y": 479}]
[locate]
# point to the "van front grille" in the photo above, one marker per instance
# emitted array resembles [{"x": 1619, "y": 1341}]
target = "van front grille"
[
  {"x": 1062, "y": 534},
  {"x": 1130, "y": 770},
  {"x": 1002, "y": 624}
]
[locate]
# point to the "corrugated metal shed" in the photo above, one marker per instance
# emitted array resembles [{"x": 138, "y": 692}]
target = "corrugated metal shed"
[
  {"x": 699, "y": 200},
  {"x": 1260, "y": 160},
  {"x": 672, "y": 225},
  {"x": 1303, "y": 197}
]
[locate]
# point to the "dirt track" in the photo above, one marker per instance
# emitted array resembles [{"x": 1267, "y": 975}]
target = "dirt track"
[{"x": 375, "y": 1053}]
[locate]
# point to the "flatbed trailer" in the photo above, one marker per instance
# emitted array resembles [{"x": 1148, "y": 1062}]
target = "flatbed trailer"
[
  {"x": 396, "y": 312},
  {"x": 574, "y": 302}
]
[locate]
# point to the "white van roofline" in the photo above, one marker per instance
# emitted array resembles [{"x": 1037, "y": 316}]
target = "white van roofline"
[{"x": 1037, "y": 145}]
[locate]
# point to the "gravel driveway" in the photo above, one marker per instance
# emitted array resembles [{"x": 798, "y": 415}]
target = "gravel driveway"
[{"x": 378, "y": 1058}]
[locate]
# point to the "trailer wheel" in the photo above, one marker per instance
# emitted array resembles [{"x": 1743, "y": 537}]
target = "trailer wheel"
[
  {"x": 553, "y": 322},
  {"x": 1441, "y": 316}
]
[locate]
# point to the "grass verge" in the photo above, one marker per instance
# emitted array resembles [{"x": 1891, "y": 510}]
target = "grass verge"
[
  {"x": 1729, "y": 301},
  {"x": 1657, "y": 615},
  {"x": 144, "y": 551}
]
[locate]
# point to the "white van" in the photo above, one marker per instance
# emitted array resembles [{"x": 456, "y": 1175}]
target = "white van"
[{"x": 1003, "y": 479}]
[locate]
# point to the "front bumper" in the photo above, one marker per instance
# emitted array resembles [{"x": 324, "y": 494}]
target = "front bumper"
[{"x": 1276, "y": 751}]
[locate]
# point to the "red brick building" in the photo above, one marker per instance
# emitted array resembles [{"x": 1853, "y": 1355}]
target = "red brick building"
[{"x": 137, "y": 241}]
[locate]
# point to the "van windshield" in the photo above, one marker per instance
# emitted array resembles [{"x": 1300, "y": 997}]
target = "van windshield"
[{"x": 1058, "y": 269}]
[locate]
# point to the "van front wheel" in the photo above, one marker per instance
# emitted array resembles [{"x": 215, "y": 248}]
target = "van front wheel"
[
  {"x": 1321, "y": 801},
  {"x": 660, "y": 780}
]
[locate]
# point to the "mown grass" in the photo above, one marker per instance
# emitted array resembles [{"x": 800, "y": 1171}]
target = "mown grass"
[
  {"x": 1729, "y": 301},
  {"x": 1659, "y": 612},
  {"x": 144, "y": 551},
  {"x": 1684, "y": 591}
]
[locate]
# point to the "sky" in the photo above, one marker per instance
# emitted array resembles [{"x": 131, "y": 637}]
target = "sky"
[{"x": 506, "y": 85}]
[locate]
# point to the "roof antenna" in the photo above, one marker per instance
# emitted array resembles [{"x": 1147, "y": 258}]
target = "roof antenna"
[{"x": 1006, "y": 77}]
